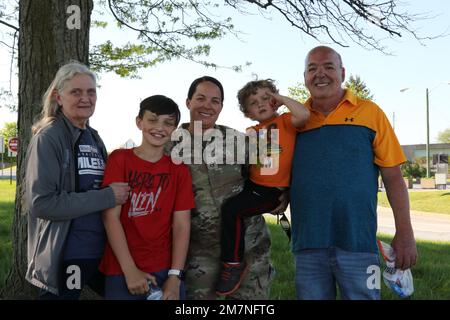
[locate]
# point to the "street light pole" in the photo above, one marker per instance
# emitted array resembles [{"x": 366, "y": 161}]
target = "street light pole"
[{"x": 428, "y": 133}]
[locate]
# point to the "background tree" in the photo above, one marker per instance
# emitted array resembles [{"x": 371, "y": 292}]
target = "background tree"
[
  {"x": 358, "y": 87},
  {"x": 413, "y": 170},
  {"x": 9, "y": 130},
  {"x": 299, "y": 92},
  {"x": 341, "y": 21},
  {"x": 52, "y": 32},
  {"x": 444, "y": 136},
  {"x": 163, "y": 30}
]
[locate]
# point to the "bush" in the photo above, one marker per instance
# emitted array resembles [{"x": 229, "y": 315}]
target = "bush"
[{"x": 413, "y": 170}]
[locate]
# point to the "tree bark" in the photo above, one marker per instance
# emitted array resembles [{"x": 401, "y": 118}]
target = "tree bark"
[{"x": 45, "y": 43}]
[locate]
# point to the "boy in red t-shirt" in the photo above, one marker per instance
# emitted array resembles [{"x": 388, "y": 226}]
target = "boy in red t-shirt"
[
  {"x": 259, "y": 101},
  {"x": 148, "y": 235}
]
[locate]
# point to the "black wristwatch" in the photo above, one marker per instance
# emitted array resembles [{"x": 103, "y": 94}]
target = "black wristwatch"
[{"x": 176, "y": 272}]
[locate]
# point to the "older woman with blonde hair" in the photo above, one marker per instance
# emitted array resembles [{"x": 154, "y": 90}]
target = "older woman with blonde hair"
[{"x": 64, "y": 171}]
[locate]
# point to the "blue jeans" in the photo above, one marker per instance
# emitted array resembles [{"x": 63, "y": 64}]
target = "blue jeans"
[
  {"x": 116, "y": 287},
  {"x": 317, "y": 271}
]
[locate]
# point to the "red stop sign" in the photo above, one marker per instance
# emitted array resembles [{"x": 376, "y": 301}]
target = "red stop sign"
[{"x": 13, "y": 144}]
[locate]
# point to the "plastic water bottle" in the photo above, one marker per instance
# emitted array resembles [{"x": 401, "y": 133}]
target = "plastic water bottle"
[
  {"x": 399, "y": 281},
  {"x": 154, "y": 292}
]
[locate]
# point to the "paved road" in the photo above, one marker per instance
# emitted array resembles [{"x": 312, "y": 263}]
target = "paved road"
[{"x": 426, "y": 225}]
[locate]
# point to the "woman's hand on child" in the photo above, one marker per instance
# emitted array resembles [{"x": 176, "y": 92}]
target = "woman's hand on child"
[
  {"x": 121, "y": 191},
  {"x": 284, "y": 201}
]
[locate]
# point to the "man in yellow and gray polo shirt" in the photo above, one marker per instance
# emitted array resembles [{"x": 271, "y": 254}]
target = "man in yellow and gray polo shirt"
[{"x": 338, "y": 156}]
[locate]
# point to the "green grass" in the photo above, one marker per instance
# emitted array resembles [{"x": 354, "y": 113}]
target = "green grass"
[
  {"x": 7, "y": 193},
  {"x": 429, "y": 201},
  {"x": 431, "y": 275},
  {"x": 283, "y": 287}
]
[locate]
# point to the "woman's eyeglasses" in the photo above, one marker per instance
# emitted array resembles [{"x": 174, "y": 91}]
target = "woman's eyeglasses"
[{"x": 285, "y": 225}]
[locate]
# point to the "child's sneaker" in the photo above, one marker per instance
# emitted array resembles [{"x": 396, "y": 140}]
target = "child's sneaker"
[{"x": 230, "y": 278}]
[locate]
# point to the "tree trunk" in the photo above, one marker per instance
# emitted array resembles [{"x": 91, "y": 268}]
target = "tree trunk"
[{"x": 45, "y": 43}]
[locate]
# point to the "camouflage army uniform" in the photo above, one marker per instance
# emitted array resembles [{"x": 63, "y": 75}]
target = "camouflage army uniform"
[{"x": 212, "y": 185}]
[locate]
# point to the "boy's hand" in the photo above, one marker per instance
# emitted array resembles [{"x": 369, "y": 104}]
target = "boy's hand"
[
  {"x": 137, "y": 281},
  {"x": 276, "y": 100}
]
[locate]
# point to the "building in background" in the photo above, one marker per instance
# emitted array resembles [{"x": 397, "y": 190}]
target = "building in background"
[{"x": 439, "y": 154}]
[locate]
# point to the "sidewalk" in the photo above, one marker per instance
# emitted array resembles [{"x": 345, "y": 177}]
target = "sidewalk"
[{"x": 426, "y": 225}]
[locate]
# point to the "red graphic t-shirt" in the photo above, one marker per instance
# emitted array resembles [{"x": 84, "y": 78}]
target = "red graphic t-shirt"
[{"x": 157, "y": 190}]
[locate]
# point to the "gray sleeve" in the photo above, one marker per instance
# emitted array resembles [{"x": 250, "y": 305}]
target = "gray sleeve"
[{"x": 47, "y": 169}]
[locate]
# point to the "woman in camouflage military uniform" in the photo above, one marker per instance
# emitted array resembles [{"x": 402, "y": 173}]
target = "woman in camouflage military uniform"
[{"x": 214, "y": 182}]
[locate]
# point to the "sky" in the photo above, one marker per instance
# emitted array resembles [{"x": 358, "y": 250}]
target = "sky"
[{"x": 277, "y": 51}]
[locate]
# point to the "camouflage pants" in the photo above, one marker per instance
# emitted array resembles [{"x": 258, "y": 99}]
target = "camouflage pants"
[
  {"x": 202, "y": 275},
  {"x": 202, "y": 270}
]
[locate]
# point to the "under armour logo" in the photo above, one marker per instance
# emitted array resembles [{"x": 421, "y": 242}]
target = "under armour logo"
[{"x": 349, "y": 119}]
